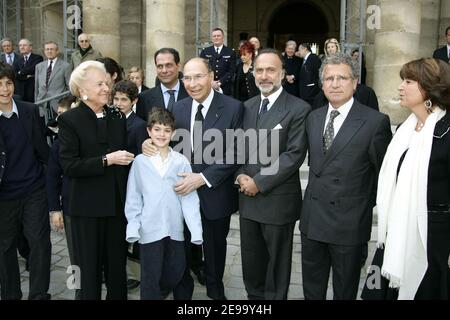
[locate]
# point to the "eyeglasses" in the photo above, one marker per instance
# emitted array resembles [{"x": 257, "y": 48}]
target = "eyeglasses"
[
  {"x": 196, "y": 77},
  {"x": 339, "y": 79},
  {"x": 83, "y": 40}
]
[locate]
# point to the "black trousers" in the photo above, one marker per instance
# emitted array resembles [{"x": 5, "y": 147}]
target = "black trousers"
[
  {"x": 99, "y": 245},
  {"x": 266, "y": 252},
  {"x": 163, "y": 264},
  {"x": 31, "y": 213},
  {"x": 215, "y": 234},
  {"x": 345, "y": 262}
]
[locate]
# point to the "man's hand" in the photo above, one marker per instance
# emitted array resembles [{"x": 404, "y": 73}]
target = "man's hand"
[
  {"x": 120, "y": 158},
  {"x": 56, "y": 220},
  {"x": 290, "y": 78},
  {"x": 148, "y": 149},
  {"x": 191, "y": 182},
  {"x": 248, "y": 186}
]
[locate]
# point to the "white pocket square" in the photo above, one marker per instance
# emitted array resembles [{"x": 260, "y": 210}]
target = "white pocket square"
[
  {"x": 310, "y": 85},
  {"x": 278, "y": 127}
]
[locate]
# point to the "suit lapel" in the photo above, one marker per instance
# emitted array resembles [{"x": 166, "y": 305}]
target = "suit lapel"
[
  {"x": 160, "y": 97},
  {"x": 349, "y": 128},
  {"x": 214, "y": 112},
  {"x": 276, "y": 113},
  {"x": 55, "y": 69},
  {"x": 315, "y": 132}
]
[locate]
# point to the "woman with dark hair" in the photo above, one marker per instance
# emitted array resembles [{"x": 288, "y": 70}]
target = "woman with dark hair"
[
  {"x": 413, "y": 197},
  {"x": 244, "y": 82},
  {"x": 114, "y": 72}
]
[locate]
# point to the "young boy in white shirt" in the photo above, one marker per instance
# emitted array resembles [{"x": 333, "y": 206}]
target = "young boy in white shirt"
[{"x": 156, "y": 214}]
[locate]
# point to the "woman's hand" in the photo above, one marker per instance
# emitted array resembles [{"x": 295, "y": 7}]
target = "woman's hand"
[{"x": 148, "y": 149}]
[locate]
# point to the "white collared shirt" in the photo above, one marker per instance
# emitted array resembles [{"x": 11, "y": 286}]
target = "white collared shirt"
[
  {"x": 27, "y": 55},
  {"x": 166, "y": 94},
  {"x": 53, "y": 64},
  {"x": 339, "y": 120},
  {"x": 220, "y": 49},
  {"x": 206, "y": 104},
  {"x": 448, "y": 51},
  {"x": 14, "y": 110},
  {"x": 161, "y": 165},
  {"x": 306, "y": 57},
  {"x": 272, "y": 98}
]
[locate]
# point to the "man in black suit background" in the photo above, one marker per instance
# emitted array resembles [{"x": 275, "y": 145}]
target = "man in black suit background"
[
  {"x": 169, "y": 90},
  {"x": 346, "y": 145},
  {"x": 309, "y": 73},
  {"x": 25, "y": 70},
  {"x": 271, "y": 195},
  {"x": 8, "y": 55},
  {"x": 23, "y": 199},
  {"x": 444, "y": 52},
  {"x": 292, "y": 65},
  {"x": 222, "y": 60}
]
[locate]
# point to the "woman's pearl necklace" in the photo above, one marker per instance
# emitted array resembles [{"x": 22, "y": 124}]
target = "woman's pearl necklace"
[{"x": 419, "y": 126}]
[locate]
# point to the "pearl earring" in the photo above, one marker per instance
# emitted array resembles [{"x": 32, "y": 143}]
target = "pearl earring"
[{"x": 85, "y": 97}]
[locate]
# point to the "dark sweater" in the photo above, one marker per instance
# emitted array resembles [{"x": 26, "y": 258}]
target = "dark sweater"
[{"x": 23, "y": 174}]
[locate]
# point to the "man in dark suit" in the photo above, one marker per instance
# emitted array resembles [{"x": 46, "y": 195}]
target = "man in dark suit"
[
  {"x": 292, "y": 65},
  {"x": 206, "y": 110},
  {"x": 25, "y": 70},
  {"x": 23, "y": 199},
  {"x": 309, "y": 73},
  {"x": 271, "y": 195},
  {"x": 8, "y": 55},
  {"x": 169, "y": 90},
  {"x": 222, "y": 60},
  {"x": 346, "y": 144},
  {"x": 444, "y": 52}
]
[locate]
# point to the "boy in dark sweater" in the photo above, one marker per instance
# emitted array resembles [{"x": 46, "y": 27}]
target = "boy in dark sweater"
[{"x": 23, "y": 199}]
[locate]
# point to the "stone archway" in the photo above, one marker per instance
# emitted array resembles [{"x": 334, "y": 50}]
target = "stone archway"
[{"x": 300, "y": 20}]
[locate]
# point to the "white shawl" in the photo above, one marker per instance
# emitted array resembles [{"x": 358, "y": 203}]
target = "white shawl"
[{"x": 402, "y": 205}]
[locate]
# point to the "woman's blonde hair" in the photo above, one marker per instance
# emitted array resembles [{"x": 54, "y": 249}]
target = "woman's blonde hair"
[{"x": 334, "y": 41}]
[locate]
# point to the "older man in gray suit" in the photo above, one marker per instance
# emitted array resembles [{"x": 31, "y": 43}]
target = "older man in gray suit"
[
  {"x": 52, "y": 76},
  {"x": 346, "y": 143},
  {"x": 271, "y": 195}
]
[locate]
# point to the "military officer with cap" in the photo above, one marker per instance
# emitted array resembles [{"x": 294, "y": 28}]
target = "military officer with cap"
[{"x": 222, "y": 60}]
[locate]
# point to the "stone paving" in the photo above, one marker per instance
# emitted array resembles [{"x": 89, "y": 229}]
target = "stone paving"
[{"x": 234, "y": 286}]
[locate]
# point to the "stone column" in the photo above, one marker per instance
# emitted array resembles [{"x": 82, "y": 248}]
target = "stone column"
[
  {"x": 32, "y": 25},
  {"x": 131, "y": 35},
  {"x": 429, "y": 27},
  {"x": 444, "y": 21},
  {"x": 396, "y": 43},
  {"x": 101, "y": 20},
  {"x": 165, "y": 28}
]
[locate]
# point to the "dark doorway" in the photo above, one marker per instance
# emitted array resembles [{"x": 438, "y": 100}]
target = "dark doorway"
[{"x": 299, "y": 21}]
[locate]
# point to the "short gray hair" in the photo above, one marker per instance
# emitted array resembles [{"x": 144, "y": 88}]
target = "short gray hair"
[
  {"x": 339, "y": 58},
  {"x": 78, "y": 75},
  {"x": 290, "y": 43}
]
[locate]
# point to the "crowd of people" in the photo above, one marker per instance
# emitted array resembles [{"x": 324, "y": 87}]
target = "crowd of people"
[{"x": 116, "y": 180}]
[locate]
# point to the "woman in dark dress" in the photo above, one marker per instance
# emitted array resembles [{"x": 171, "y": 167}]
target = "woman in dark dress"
[
  {"x": 244, "y": 82},
  {"x": 413, "y": 198},
  {"x": 93, "y": 140}
]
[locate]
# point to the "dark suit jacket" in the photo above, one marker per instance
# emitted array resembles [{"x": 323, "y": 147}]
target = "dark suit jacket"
[
  {"x": 154, "y": 98},
  {"x": 308, "y": 80},
  {"x": 220, "y": 200},
  {"x": 280, "y": 197},
  {"x": 25, "y": 76},
  {"x": 95, "y": 191},
  {"x": 292, "y": 67},
  {"x": 15, "y": 61},
  {"x": 364, "y": 94},
  {"x": 341, "y": 191},
  {"x": 137, "y": 133},
  {"x": 441, "y": 54},
  {"x": 144, "y": 88},
  {"x": 31, "y": 121},
  {"x": 223, "y": 65}
]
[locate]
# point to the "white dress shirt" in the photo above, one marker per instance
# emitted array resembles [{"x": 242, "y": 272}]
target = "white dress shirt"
[
  {"x": 339, "y": 120},
  {"x": 166, "y": 94},
  {"x": 272, "y": 98},
  {"x": 14, "y": 110},
  {"x": 161, "y": 165}
]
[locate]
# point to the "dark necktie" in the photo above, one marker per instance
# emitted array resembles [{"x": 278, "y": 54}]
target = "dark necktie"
[
  {"x": 197, "y": 130},
  {"x": 329, "y": 131},
  {"x": 25, "y": 60},
  {"x": 10, "y": 61},
  {"x": 49, "y": 73},
  {"x": 171, "y": 100},
  {"x": 264, "y": 105},
  {"x": 217, "y": 51}
]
